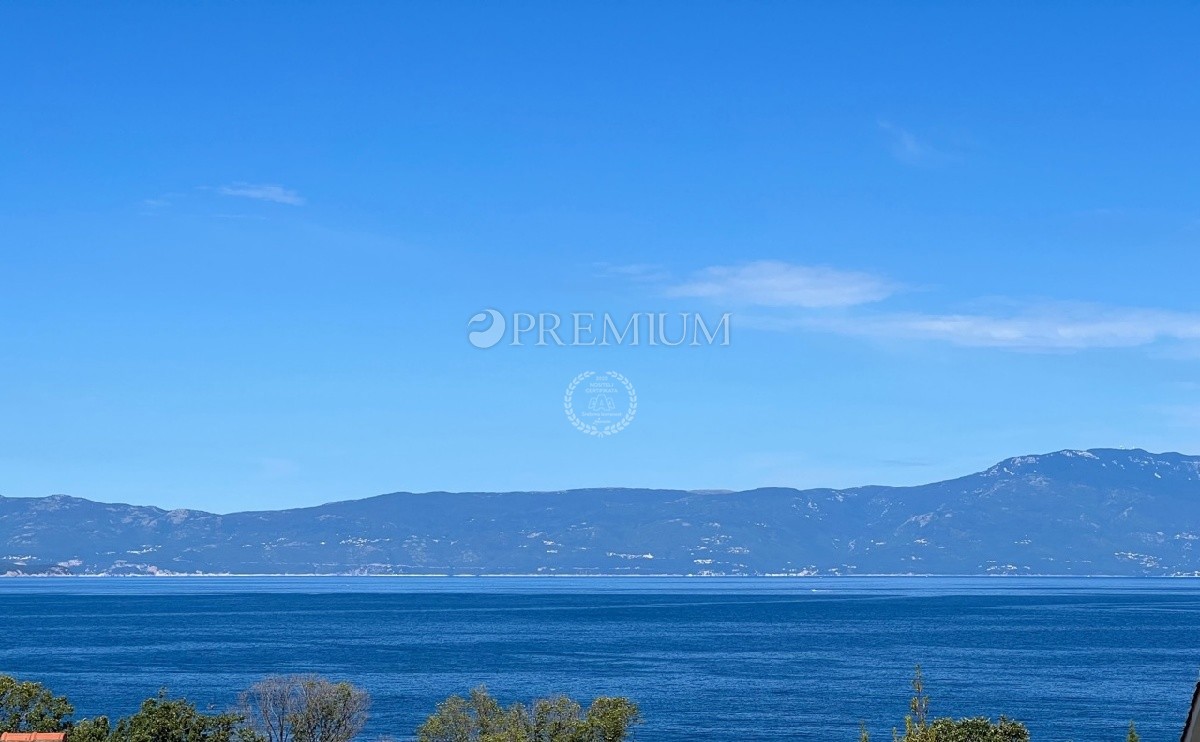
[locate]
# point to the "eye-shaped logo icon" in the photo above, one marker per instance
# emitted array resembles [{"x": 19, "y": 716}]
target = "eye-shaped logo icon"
[{"x": 488, "y": 337}]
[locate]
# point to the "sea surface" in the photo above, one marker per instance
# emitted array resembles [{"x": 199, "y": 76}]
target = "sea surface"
[{"x": 706, "y": 658}]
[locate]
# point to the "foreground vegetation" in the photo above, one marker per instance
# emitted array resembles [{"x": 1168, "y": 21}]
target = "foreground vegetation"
[
  {"x": 919, "y": 728},
  {"x": 559, "y": 719},
  {"x": 310, "y": 708}
]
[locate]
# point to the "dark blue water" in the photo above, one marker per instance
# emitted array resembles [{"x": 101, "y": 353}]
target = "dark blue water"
[{"x": 711, "y": 659}]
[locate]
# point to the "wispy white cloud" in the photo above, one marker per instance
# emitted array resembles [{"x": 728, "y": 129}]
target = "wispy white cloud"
[
  {"x": 161, "y": 201},
  {"x": 781, "y": 296},
  {"x": 907, "y": 148},
  {"x": 1046, "y": 326},
  {"x": 773, "y": 283},
  {"x": 262, "y": 192}
]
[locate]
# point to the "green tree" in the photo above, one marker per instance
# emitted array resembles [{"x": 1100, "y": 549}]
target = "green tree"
[
  {"x": 977, "y": 729},
  {"x": 163, "y": 719},
  {"x": 918, "y": 727},
  {"x": 90, "y": 730},
  {"x": 330, "y": 712},
  {"x": 556, "y": 719},
  {"x": 481, "y": 718},
  {"x": 1133, "y": 735},
  {"x": 915, "y": 723},
  {"x": 453, "y": 721},
  {"x": 31, "y": 707},
  {"x": 610, "y": 719}
]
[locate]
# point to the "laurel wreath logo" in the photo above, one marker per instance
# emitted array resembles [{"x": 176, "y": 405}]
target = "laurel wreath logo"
[{"x": 594, "y": 430}]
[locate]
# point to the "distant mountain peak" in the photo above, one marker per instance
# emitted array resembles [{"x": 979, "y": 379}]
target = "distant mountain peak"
[{"x": 1115, "y": 467}]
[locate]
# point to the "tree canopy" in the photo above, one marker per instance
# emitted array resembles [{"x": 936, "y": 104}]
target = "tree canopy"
[
  {"x": 480, "y": 718},
  {"x": 163, "y": 719},
  {"x": 918, "y": 728},
  {"x": 310, "y": 708},
  {"x": 31, "y": 707}
]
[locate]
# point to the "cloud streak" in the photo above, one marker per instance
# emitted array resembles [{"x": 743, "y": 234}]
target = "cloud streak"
[
  {"x": 773, "y": 283},
  {"x": 907, "y": 148},
  {"x": 263, "y": 192},
  {"x": 1040, "y": 327},
  {"x": 783, "y": 297}
]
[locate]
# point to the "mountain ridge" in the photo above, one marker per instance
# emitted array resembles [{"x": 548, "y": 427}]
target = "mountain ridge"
[{"x": 1095, "y": 511}]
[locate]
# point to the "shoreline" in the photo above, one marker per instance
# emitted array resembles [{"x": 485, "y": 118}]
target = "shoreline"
[{"x": 517, "y": 575}]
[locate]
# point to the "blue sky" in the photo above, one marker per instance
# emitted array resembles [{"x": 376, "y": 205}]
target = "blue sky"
[{"x": 240, "y": 243}]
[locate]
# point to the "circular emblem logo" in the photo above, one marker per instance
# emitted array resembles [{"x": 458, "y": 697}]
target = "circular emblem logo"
[{"x": 600, "y": 404}]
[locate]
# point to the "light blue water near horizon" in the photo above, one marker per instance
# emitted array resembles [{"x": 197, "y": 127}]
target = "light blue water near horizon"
[{"x": 706, "y": 658}]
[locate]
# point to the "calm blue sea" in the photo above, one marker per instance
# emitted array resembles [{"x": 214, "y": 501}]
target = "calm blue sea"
[{"x": 707, "y": 659}]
